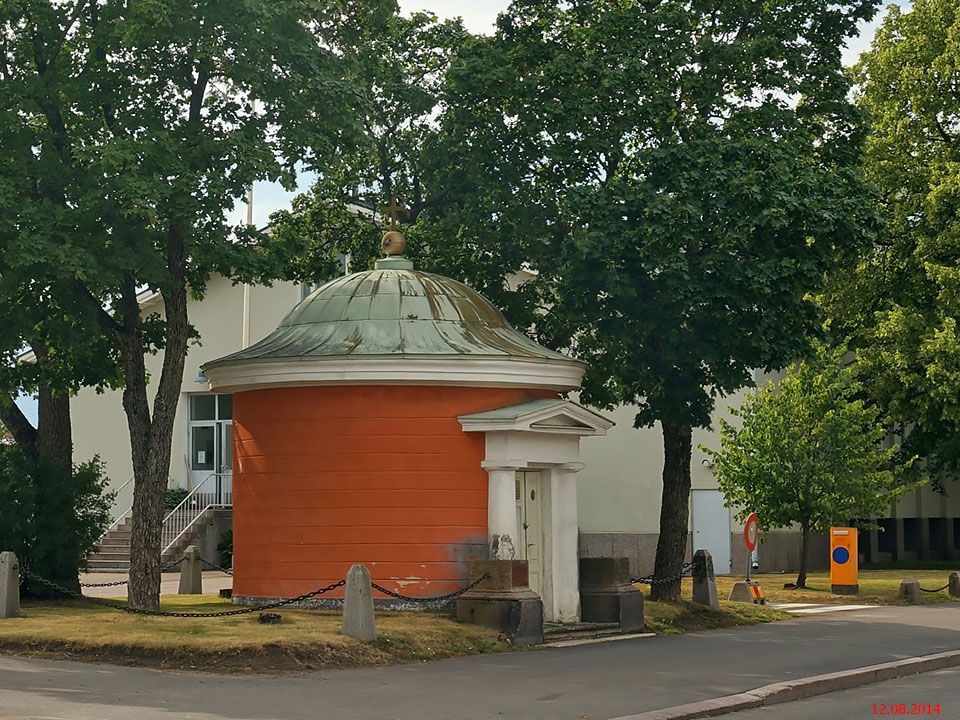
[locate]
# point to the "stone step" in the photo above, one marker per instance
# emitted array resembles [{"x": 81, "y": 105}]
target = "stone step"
[
  {"x": 107, "y": 567},
  {"x": 121, "y": 556},
  {"x": 119, "y": 544},
  {"x": 556, "y": 632}
]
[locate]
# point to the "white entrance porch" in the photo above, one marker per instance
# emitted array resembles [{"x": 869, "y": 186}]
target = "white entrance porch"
[{"x": 532, "y": 458}]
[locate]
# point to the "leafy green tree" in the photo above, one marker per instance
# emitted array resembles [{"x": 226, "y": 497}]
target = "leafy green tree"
[
  {"x": 51, "y": 517},
  {"x": 400, "y": 68},
  {"x": 135, "y": 127},
  {"x": 679, "y": 176},
  {"x": 808, "y": 451},
  {"x": 899, "y": 306}
]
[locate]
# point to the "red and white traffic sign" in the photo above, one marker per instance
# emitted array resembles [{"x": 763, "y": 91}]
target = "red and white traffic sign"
[{"x": 750, "y": 532}]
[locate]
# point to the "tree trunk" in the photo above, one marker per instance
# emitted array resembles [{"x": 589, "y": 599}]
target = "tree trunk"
[
  {"x": 56, "y": 496},
  {"x": 54, "y": 434},
  {"x": 151, "y": 436},
  {"x": 804, "y": 548},
  {"x": 674, "y": 510}
]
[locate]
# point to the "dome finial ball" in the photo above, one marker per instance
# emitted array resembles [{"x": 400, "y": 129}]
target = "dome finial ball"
[{"x": 393, "y": 243}]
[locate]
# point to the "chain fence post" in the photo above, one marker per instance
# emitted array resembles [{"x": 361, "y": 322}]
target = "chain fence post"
[
  {"x": 191, "y": 573},
  {"x": 704, "y": 580},
  {"x": 910, "y": 590},
  {"x": 358, "y": 618},
  {"x": 9, "y": 585}
]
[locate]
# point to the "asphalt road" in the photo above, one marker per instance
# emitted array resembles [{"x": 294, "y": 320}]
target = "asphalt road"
[
  {"x": 903, "y": 698},
  {"x": 590, "y": 682}
]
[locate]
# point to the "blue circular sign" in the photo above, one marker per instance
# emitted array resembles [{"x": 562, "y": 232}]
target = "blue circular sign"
[{"x": 840, "y": 555}]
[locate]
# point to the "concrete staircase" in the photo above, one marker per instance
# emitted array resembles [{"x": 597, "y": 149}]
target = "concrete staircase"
[
  {"x": 113, "y": 552},
  {"x": 203, "y": 533}
]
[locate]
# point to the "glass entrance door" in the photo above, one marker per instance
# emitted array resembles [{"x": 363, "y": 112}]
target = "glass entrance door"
[
  {"x": 225, "y": 455},
  {"x": 211, "y": 444}
]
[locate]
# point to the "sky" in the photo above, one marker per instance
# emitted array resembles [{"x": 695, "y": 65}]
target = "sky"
[{"x": 478, "y": 17}]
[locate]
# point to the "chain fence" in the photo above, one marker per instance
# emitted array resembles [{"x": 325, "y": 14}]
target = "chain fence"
[
  {"x": 685, "y": 570},
  {"x": 118, "y": 583},
  {"x": 163, "y": 613},
  {"x": 214, "y": 566},
  {"x": 436, "y": 599},
  {"x": 939, "y": 589}
]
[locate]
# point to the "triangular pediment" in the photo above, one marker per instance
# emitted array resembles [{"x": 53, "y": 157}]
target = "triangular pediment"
[
  {"x": 548, "y": 415},
  {"x": 560, "y": 421}
]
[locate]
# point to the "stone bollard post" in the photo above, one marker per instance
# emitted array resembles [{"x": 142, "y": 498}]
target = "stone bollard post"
[
  {"x": 9, "y": 585},
  {"x": 191, "y": 573},
  {"x": 954, "y": 588},
  {"x": 606, "y": 594},
  {"x": 704, "y": 580},
  {"x": 358, "y": 620},
  {"x": 503, "y": 600},
  {"x": 910, "y": 590}
]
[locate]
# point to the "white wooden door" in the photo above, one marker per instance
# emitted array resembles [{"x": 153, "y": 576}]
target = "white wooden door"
[
  {"x": 711, "y": 528},
  {"x": 530, "y": 524}
]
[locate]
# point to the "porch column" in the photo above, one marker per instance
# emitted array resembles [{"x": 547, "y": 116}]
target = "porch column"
[
  {"x": 502, "y": 512},
  {"x": 564, "y": 548}
]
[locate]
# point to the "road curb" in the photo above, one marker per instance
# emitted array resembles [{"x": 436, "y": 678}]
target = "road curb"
[{"x": 802, "y": 688}]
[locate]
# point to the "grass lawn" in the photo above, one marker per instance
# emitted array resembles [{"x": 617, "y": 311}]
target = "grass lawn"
[
  {"x": 877, "y": 587},
  {"x": 304, "y": 639},
  {"x": 686, "y": 616},
  {"x": 311, "y": 639}
]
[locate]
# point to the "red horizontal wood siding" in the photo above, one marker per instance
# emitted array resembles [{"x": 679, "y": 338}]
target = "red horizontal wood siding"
[{"x": 325, "y": 477}]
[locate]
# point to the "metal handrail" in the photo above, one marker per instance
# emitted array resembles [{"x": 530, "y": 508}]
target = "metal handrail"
[
  {"x": 202, "y": 498},
  {"x": 121, "y": 516}
]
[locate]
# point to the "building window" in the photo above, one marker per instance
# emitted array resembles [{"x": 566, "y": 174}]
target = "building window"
[{"x": 211, "y": 406}]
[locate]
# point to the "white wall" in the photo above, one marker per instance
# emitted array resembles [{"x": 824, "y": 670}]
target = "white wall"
[
  {"x": 619, "y": 489},
  {"x": 99, "y": 423}
]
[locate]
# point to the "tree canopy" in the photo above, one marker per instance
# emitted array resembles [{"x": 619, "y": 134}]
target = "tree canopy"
[
  {"x": 676, "y": 179},
  {"x": 679, "y": 176},
  {"x": 899, "y": 306},
  {"x": 136, "y": 127},
  {"x": 808, "y": 450}
]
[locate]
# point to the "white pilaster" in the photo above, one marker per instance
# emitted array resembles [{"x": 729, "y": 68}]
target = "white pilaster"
[
  {"x": 502, "y": 512},
  {"x": 564, "y": 548}
]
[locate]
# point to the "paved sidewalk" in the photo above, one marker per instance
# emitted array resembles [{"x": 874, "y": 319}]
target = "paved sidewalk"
[
  {"x": 590, "y": 682},
  {"x": 897, "y": 698},
  {"x": 817, "y": 609},
  {"x": 213, "y": 582}
]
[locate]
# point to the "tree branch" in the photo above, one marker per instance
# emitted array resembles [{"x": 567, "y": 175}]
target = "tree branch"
[
  {"x": 199, "y": 90},
  {"x": 24, "y": 434},
  {"x": 105, "y": 321}
]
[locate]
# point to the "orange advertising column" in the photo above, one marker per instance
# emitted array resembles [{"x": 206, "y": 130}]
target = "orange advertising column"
[{"x": 843, "y": 561}]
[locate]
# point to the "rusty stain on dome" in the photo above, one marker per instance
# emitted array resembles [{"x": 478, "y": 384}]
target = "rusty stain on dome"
[{"x": 394, "y": 310}]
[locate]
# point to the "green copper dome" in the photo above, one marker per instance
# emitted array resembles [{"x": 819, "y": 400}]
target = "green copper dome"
[{"x": 394, "y": 311}]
